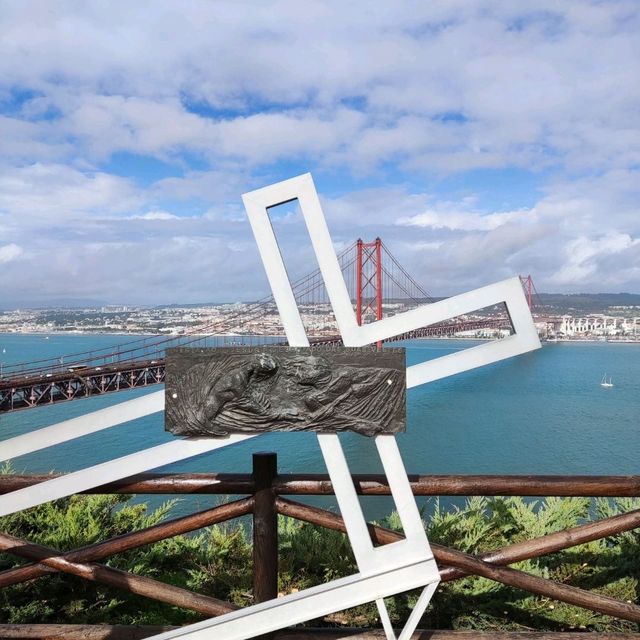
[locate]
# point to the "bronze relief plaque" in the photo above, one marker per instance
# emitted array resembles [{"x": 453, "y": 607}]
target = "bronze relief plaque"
[{"x": 213, "y": 392}]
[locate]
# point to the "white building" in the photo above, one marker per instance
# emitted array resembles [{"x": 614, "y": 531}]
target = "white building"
[{"x": 598, "y": 325}]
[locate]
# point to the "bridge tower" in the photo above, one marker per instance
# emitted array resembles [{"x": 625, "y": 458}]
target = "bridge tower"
[
  {"x": 529, "y": 289},
  {"x": 369, "y": 280}
]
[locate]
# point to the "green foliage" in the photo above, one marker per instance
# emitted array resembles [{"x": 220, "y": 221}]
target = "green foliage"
[
  {"x": 217, "y": 561},
  {"x": 310, "y": 554},
  {"x": 610, "y": 566},
  {"x": 224, "y": 567},
  {"x": 82, "y": 520}
]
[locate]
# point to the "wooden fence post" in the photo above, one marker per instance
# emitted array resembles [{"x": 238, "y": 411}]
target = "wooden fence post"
[{"x": 265, "y": 528}]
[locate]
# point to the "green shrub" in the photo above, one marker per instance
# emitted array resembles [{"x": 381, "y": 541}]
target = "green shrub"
[
  {"x": 610, "y": 566},
  {"x": 217, "y": 562}
]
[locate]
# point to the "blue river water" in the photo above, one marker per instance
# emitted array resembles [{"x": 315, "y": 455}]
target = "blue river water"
[{"x": 539, "y": 413}]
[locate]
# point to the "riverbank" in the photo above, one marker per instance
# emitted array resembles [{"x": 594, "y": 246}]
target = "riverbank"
[{"x": 621, "y": 340}]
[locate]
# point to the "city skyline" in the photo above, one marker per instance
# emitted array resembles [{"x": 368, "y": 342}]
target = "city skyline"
[{"x": 479, "y": 140}]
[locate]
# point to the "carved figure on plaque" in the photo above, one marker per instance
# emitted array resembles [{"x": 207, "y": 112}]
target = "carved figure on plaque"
[{"x": 214, "y": 392}]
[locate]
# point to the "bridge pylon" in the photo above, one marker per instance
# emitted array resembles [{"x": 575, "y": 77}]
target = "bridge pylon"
[
  {"x": 369, "y": 280},
  {"x": 529, "y": 290}
]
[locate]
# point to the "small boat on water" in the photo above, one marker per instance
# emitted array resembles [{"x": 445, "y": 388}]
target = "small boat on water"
[{"x": 604, "y": 383}]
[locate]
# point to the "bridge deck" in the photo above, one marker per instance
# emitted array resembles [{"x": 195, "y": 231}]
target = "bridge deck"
[{"x": 48, "y": 386}]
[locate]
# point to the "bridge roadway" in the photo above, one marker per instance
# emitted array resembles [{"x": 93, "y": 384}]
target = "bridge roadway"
[{"x": 28, "y": 390}]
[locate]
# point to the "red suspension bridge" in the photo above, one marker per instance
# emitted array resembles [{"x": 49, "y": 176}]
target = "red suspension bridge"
[{"x": 377, "y": 283}]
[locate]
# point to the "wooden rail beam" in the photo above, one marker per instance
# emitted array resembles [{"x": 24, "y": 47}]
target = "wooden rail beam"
[
  {"x": 265, "y": 528},
  {"x": 470, "y": 485},
  {"x": 370, "y": 485},
  {"x": 125, "y": 632},
  {"x": 79, "y": 631},
  {"x": 150, "y": 483}
]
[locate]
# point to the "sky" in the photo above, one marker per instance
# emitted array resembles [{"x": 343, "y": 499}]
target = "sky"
[{"x": 479, "y": 140}]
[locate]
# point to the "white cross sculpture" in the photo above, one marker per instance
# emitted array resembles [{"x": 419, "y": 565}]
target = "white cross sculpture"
[{"x": 383, "y": 571}]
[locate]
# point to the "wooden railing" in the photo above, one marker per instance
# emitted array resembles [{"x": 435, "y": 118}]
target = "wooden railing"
[{"x": 266, "y": 489}]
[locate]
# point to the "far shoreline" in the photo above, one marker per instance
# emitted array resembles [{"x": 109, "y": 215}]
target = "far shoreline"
[{"x": 170, "y": 336}]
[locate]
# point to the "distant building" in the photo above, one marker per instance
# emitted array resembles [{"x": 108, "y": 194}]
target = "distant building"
[{"x": 597, "y": 325}]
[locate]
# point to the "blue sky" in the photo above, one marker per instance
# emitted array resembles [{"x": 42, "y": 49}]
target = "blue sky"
[{"x": 478, "y": 139}]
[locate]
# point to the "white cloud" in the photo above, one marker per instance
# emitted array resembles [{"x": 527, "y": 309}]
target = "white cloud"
[
  {"x": 517, "y": 76},
  {"x": 461, "y": 220},
  {"x": 10, "y": 252},
  {"x": 559, "y": 240},
  {"x": 584, "y": 256},
  {"x": 384, "y": 105},
  {"x": 156, "y": 215},
  {"x": 106, "y": 124},
  {"x": 56, "y": 192},
  {"x": 140, "y": 270}
]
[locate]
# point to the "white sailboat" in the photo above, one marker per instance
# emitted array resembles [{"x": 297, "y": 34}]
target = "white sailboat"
[{"x": 604, "y": 382}]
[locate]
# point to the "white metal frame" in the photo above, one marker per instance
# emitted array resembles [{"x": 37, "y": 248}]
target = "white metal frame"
[
  {"x": 105, "y": 472},
  {"x": 508, "y": 291},
  {"x": 383, "y": 571}
]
